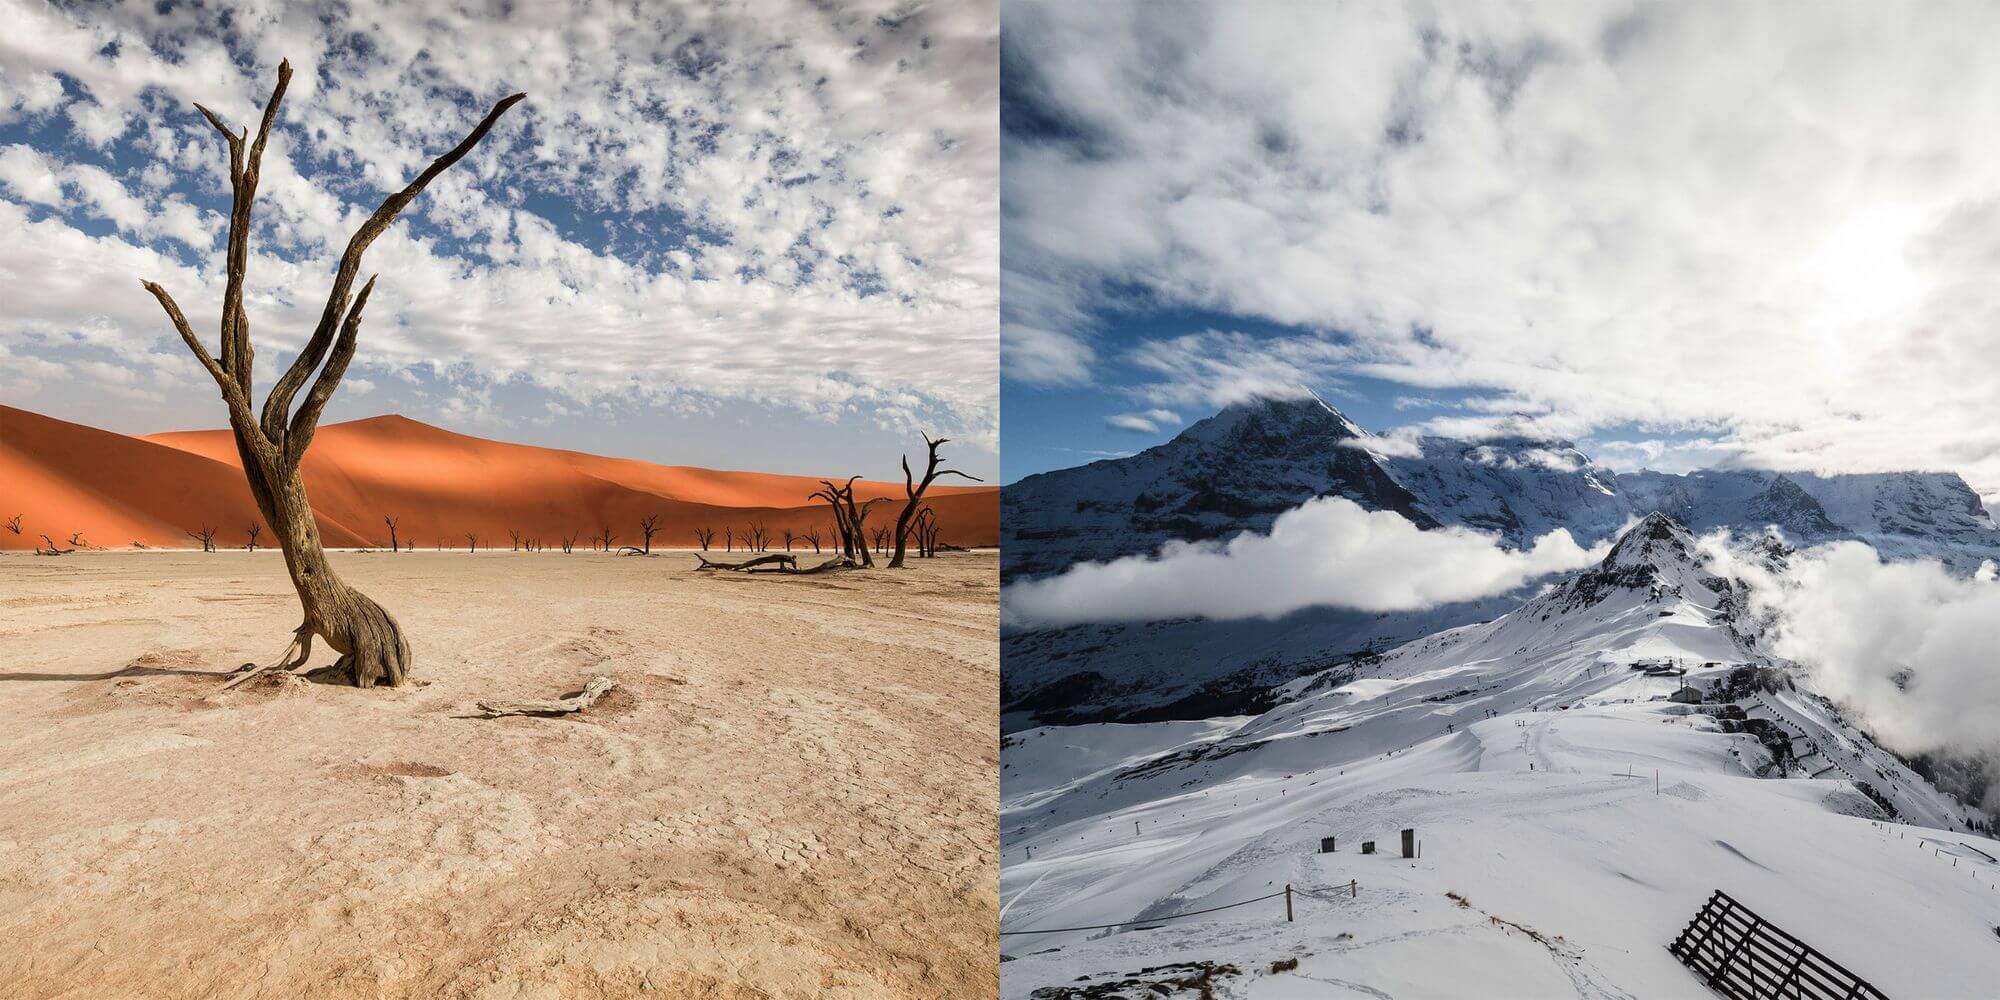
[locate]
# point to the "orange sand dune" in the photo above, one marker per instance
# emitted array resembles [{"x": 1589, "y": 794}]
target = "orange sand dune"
[{"x": 440, "y": 486}]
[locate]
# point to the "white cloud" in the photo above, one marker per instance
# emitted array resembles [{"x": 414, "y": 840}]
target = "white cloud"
[
  {"x": 28, "y": 175},
  {"x": 1327, "y": 552},
  {"x": 1857, "y": 623},
  {"x": 1045, "y": 357},
  {"x": 1148, "y": 422},
  {"x": 804, "y": 198},
  {"x": 1779, "y": 224}
]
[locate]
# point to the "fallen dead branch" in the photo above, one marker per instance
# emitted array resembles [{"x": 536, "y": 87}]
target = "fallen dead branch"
[
  {"x": 787, "y": 565},
  {"x": 592, "y": 691}
]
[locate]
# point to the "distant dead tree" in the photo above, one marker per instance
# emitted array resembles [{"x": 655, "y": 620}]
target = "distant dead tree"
[
  {"x": 50, "y": 548},
  {"x": 273, "y": 443},
  {"x": 647, "y": 525},
  {"x": 253, "y": 531},
  {"x": 568, "y": 541},
  {"x": 516, "y": 535},
  {"x": 788, "y": 539},
  {"x": 14, "y": 524},
  {"x": 813, "y": 537},
  {"x": 471, "y": 543},
  {"x": 608, "y": 538},
  {"x": 914, "y": 489},
  {"x": 925, "y": 528},
  {"x": 728, "y": 540},
  {"x": 882, "y": 541},
  {"x": 849, "y": 519},
  {"x": 76, "y": 539},
  {"x": 391, "y": 522},
  {"x": 206, "y": 536},
  {"x": 756, "y": 539},
  {"x": 704, "y": 536}
]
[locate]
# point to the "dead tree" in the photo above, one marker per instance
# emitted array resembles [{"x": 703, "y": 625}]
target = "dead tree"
[
  {"x": 882, "y": 541},
  {"x": 253, "y": 531},
  {"x": 14, "y": 524},
  {"x": 471, "y": 543},
  {"x": 914, "y": 489},
  {"x": 569, "y": 541},
  {"x": 608, "y": 538},
  {"x": 925, "y": 528},
  {"x": 849, "y": 519},
  {"x": 647, "y": 525},
  {"x": 813, "y": 537},
  {"x": 788, "y": 539},
  {"x": 516, "y": 535},
  {"x": 391, "y": 522},
  {"x": 273, "y": 443},
  {"x": 76, "y": 539},
  {"x": 728, "y": 540},
  {"x": 51, "y": 548},
  {"x": 206, "y": 536},
  {"x": 704, "y": 536},
  {"x": 756, "y": 539}
]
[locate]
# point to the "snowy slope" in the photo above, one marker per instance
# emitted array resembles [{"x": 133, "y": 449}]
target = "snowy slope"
[{"x": 1524, "y": 751}]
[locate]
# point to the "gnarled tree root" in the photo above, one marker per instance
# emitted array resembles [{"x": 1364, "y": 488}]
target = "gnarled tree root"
[
  {"x": 372, "y": 648},
  {"x": 294, "y": 656}
]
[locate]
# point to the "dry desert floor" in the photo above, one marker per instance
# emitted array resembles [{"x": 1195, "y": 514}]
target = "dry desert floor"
[{"x": 790, "y": 793}]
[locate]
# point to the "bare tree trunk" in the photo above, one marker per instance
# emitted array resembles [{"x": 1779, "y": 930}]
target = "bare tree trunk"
[
  {"x": 273, "y": 444},
  {"x": 915, "y": 488},
  {"x": 391, "y": 522}
]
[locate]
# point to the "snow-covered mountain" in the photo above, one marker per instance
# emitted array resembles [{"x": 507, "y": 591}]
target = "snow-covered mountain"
[
  {"x": 1236, "y": 471},
  {"x": 1582, "y": 772}
]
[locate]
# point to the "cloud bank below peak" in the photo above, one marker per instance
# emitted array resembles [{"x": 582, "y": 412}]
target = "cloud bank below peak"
[{"x": 1327, "y": 552}]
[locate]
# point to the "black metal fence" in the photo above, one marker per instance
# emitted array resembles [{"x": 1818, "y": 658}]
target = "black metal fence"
[{"x": 1743, "y": 957}]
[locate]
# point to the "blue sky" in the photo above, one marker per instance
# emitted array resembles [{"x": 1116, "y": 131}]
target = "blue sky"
[
  {"x": 1678, "y": 235},
  {"x": 754, "y": 237}
]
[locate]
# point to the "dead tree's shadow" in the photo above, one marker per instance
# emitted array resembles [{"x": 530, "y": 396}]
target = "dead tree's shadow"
[{"x": 114, "y": 674}]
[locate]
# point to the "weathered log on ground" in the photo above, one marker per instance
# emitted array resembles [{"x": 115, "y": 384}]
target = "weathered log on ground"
[
  {"x": 745, "y": 566},
  {"x": 785, "y": 565},
  {"x": 592, "y": 691}
]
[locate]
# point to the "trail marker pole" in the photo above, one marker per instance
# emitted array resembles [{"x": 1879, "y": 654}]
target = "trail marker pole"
[{"x": 1288, "y": 902}]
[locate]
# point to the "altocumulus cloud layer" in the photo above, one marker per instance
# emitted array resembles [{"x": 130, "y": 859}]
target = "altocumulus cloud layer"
[
  {"x": 1774, "y": 226},
  {"x": 774, "y": 204},
  {"x": 1326, "y": 552}
]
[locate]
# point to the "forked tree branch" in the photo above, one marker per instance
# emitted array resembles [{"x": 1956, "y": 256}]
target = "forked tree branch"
[{"x": 280, "y": 400}]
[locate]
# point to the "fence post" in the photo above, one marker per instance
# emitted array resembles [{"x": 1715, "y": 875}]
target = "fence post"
[
  {"x": 1353, "y": 889},
  {"x": 1288, "y": 902}
]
